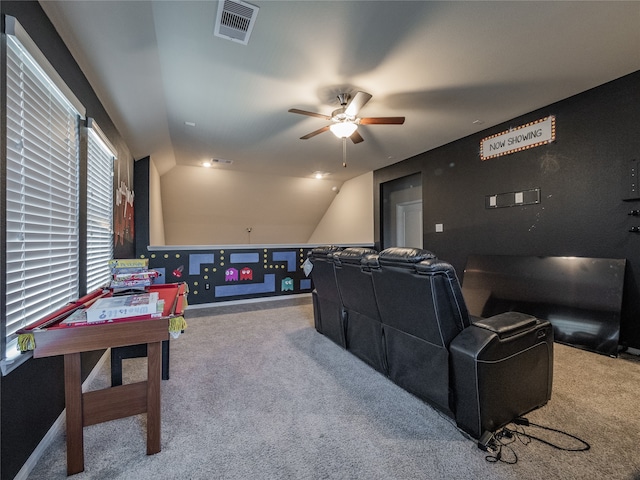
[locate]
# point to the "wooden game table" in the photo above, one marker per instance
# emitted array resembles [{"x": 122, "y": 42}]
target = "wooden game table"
[{"x": 90, "y": 408}]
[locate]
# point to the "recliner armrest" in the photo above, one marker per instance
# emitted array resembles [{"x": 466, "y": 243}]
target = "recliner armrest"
[{"x": 507, "y": 324}]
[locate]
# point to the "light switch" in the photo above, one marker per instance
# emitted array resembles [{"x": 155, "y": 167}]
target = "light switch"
[
  {"x": 439, "y": 227},
  {"x": 519, "y": 197}
]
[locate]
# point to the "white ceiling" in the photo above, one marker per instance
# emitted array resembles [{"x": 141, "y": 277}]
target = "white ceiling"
[{"x": 443, "y": 65}]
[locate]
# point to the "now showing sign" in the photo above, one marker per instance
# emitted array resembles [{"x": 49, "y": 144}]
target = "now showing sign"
[{"x": 527, "y": 136}]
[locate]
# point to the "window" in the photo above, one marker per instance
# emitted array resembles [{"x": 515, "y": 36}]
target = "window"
[
  {"x": 41, "y": 238},
  {"x": 100, "y": 157}
]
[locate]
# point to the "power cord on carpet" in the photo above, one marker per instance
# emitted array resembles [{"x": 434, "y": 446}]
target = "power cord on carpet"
[{"x": 500, "y": 442}]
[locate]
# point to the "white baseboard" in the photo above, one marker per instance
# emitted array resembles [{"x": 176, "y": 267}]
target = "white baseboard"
[
  {"x": 226, "y": 303},
  {"x": 58, "y": 426}
]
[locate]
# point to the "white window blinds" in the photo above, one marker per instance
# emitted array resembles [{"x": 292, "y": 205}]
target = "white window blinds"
[
  {"x": 100, "y": 157},
  {"x": 42, "y": 172}
]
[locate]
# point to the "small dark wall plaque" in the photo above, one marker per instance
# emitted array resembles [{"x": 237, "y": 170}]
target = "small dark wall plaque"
[{"x": 512, "y": 199}]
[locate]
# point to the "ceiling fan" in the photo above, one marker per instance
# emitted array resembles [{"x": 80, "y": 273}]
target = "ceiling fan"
[{"x": 345, "y": 119}]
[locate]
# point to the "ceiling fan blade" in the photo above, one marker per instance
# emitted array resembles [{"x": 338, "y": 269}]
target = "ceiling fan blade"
[
  {"x": 382, "y": 121},
  {"x": 356, "y": 137},
  {"x": 311, "y": 114},
  {"x": 356, "y": 103},
  {"x": 314, "y": 133}
]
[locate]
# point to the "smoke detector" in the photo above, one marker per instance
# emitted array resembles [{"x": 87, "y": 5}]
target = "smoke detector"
[{"x": 235, "y": 20}]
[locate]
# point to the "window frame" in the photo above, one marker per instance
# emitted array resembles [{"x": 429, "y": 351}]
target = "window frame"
[
  {"x": 34, "y": 63},
  {"x": 101, "y": 155}
]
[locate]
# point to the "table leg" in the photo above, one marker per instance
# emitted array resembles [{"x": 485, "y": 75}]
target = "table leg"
[
  {"x": 73, "y": 400},
  {"x": 154, "y": 371}
]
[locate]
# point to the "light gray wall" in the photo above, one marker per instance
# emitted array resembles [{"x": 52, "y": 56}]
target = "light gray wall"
[
  {"x": 349, "y": 218},
  {"x": 156, "y": 219},
  {"x": 216, "y": 206}
]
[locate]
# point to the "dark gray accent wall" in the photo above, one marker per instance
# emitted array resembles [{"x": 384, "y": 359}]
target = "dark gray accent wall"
[
  {"x": 582, "y": 181},
  {"x": 141, "y": 218}
]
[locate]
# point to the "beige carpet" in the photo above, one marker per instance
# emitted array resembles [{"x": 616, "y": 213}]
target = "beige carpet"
[{"x": 256, "y": 393}]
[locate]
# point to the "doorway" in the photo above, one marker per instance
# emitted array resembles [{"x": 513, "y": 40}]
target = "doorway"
[{"x": 402, "y": 212}]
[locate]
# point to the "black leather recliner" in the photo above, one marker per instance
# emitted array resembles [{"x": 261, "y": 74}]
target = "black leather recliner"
[
  {"x": 481, "y": 372},
  {"x": 328, "y": 312},
  {"x": 421, "y": 316},
  {"x": 502, "y": 368},
  {"x": 363, "y": 327}
]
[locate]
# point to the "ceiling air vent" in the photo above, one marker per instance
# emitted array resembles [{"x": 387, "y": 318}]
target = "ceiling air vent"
[{"x": 235, "y": 20}]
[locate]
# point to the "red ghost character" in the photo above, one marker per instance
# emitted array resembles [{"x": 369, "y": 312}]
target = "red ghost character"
[{"x": 246, "y": 274}]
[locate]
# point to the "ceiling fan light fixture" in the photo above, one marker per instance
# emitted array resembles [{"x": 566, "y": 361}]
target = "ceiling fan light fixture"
[
  {"x": 345, "y": 119},
  {"x": 343, "y": 129}
]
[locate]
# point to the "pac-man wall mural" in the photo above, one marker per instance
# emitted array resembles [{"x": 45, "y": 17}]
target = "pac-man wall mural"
[{"x": 222, "y": 274}]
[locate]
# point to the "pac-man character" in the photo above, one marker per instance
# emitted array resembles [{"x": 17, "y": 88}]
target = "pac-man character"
[
  {"x": 287, "y": 284},
  {"x": 230, "y": 275},
  {"x": 246, "y": 274}
]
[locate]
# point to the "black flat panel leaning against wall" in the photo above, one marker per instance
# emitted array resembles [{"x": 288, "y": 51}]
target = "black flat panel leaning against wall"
[
  {"x": 581, "y": 177},
  {"x": 581, "y": 297}
]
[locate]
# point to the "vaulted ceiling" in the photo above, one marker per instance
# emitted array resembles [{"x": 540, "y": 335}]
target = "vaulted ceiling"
[{"x": 181, "y": 94}]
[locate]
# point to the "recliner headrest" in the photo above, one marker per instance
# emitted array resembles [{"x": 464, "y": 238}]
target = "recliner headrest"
[
  {"x": 324, "y": 251},
  {"x": 354, "y": 255},
  {"x": 404, "y": 256},
  {"x": 435, "y": 265}
]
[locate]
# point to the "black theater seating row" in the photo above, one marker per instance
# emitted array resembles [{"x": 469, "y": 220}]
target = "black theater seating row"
[{"x": 402, "y": 312}]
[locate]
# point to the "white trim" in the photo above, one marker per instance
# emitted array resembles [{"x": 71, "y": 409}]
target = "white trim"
[
  {"x": 13, "y": 28},
  {"x": 58, "y": 427},
  {"x": 8, "y": 365},
  {"x": 247, "y": 300},
  {"x": 251, "y": 246},
  {"x": 107, "y": 145}
]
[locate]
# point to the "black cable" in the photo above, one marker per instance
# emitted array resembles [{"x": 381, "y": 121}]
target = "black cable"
[
  {"x": 501, "y": 441},
  {"x": 584, "y": 448},
  {"x": 503, "y": 438},
  {"x": 493, "y": 446}
]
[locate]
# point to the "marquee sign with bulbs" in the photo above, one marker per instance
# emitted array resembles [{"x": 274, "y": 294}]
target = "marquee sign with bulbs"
[{"x": 530, "y": 135}]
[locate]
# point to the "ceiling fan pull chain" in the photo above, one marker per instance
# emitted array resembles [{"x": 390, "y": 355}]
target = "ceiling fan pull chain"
[{"x": 344, "y": 152}]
